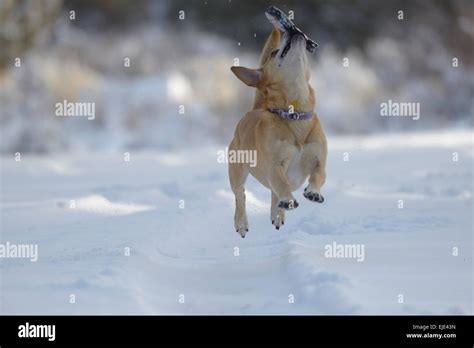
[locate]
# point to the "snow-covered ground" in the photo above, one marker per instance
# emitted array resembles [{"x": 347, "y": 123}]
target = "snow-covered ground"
[{"x": 174, "y": 211}]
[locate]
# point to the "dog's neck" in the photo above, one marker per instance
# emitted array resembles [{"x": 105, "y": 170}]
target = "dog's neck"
[
  {"x": 293, "y": 90},
  {"x": 302, "y": 99},
  {"x": 298, "y": 92},
  {"x": 298, "y": 96}
]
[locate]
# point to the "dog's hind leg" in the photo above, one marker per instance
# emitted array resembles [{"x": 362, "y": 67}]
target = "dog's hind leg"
[
  {"x": 238, "y": 173},
  {"x": 277, "y": 214},
  {"x": 316, "y": 180},
  {"x": 318, "y": 151},
  {"x": 280, "y": 185}
]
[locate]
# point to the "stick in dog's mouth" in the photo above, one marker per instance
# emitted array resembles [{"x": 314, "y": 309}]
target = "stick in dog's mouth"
[{"x": 281, "y": 21}]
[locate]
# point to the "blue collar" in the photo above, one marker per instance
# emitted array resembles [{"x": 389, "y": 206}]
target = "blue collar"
[{"x": 292, "y": 115}]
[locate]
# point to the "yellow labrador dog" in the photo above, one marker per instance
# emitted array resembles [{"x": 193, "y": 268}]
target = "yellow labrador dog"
[{"x": 282, "y": 127}]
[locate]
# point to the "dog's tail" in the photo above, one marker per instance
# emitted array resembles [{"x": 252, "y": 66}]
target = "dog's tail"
[{"x": 272, "y": 44}]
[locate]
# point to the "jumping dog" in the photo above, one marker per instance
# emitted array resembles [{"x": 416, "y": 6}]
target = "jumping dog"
[{"x": 282, "y": 126}]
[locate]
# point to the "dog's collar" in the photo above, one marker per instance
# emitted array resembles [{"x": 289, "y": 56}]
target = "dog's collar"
[{"x": 292, "y": 115}]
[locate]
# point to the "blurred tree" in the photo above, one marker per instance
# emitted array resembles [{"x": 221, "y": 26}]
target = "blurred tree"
[
  {"x": 21, "y": 22},
  {"x": 344, "y": 23}
]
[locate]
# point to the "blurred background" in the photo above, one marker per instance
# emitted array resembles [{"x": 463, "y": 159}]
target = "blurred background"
[{"x": 180, "y": 53}]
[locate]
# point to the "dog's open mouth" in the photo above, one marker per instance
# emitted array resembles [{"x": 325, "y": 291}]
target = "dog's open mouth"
[{"x": 280, "y": 20}]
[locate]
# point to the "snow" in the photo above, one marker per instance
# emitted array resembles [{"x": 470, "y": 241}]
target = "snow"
[
  {"x": 190, "y": 252},
  {"x": 101, "y": 205}
]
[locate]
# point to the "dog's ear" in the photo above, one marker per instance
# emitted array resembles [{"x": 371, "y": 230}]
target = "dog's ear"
[{"x": 251, "y": 77}]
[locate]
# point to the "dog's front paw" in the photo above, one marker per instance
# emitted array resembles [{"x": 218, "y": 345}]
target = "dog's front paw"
[
  {"x": 242, "y": 231},
  {"x": 278, "y": 219},
  {"x": 242, "y": 227},
  {"x": 313, "y": 196},
  {"x": 288, "y": 204}
]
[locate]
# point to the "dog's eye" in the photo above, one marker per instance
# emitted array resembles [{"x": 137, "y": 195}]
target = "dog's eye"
[{"x": 273, "y": 54}]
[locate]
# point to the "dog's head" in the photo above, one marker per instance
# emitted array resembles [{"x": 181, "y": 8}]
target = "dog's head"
[{"x": 283, "y": 78}]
